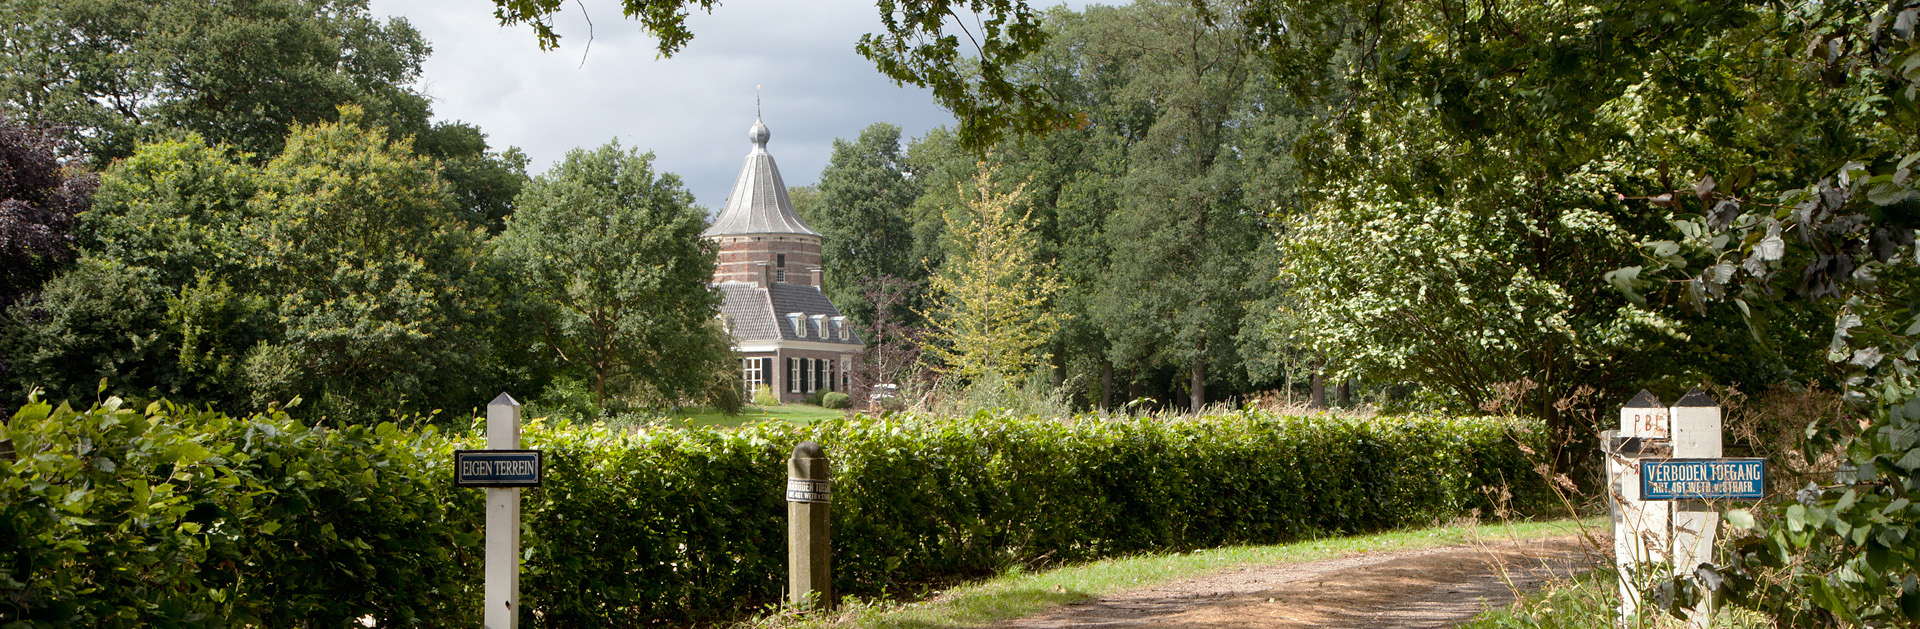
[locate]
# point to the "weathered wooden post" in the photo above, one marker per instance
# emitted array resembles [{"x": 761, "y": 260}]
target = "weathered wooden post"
[
  {"x": 1639, "y": 528},
  {"x": 809, "y": 539},
  {"x": 502, "y": 469},
  {"x": 1696, "y": 435}
]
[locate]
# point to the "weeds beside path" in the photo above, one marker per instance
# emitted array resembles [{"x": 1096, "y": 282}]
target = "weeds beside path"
[{"x": 1412, "y": 578}]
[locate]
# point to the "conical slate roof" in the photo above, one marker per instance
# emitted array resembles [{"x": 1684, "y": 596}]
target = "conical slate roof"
[{"x": 759, "y": 203}]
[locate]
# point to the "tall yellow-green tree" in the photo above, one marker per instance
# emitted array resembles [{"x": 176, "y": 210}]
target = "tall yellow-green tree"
[{"x": 990, "y": 313}]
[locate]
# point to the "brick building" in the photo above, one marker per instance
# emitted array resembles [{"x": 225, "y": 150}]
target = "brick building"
[{"x": 790, "y": 337}]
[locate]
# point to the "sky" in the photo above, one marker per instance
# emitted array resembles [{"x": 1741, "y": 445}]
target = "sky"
[{"x": 692, "y": 110}]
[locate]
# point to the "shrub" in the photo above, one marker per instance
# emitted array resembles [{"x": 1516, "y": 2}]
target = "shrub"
[
  {"x": 763, "y": 395},
  {"x": 114, "y": 518},
  {"x": 836, "y": 400}
]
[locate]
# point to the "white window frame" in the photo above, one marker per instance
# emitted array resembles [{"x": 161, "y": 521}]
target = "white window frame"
[{"x": 750, "y": 374}]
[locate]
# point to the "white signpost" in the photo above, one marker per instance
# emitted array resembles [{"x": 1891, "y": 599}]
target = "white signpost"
[
  {"x": 502, "y": 591},
  {"x": 1639, "y": 527},
  {"x": 1666, "y": 518}
]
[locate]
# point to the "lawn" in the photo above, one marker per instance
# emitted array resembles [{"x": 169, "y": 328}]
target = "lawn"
[{"x": 701, "y": 416}]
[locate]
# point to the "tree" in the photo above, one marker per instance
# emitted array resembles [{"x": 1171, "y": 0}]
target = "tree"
[
  {"x": 481, "y": 183},
  {"x": 990, "y": 314},
  {"x": 375, "y": 277},
  {"x": 861, "y": 214},
  {"x": 615, "y": 252},
  {"x": 892, "y": 353},
  {"x": 337, "y": 272},
  {"x": 238, "y": 73},
  {"x": 1177, "y": 294},
  {"x": 39, "y": 200}
]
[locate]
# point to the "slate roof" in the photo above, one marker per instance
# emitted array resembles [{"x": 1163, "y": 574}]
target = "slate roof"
[
  {"x": 760, "y": 314},
  {"x": 759, "y": 202}
]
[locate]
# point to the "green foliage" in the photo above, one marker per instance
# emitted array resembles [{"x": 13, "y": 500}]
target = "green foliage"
[
  {"x": 111, "y": 517},
  {"x": 375, "y": 276},
  {"x": 763, "y": 395},
  {"x": 990, "y": 313},
  {"x": 338, "y": 271},
  {"x": 238, "y": 73},
  {"x": 1840, "y": 553},
  {"x": 835, "y": 400},
  {"x": 860, "y": 209},
  {"x": 610, "y": 257}
]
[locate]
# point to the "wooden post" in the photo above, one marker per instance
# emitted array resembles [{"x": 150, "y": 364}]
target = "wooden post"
[
  {"x": 1696, "y": 435},
  {"x": 1639, "y": 527},
  {"x": 809, "y": 539},
  {"x": 502, "y": 603}
]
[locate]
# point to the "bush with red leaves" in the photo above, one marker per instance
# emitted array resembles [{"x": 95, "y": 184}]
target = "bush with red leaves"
[{"x": 39, "y": 199}]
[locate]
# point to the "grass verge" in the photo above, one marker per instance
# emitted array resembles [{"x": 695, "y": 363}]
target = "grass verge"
[
  {"x": 1019, "y": 593},
  {"x": 1587, "y": 601}
]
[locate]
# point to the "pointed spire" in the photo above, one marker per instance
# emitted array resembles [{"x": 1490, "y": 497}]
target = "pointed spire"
[{"x": 759, "y": 203}]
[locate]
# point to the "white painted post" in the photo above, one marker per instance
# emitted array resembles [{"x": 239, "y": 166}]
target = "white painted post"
[
  {"x": 502, "y": 605},
  {"x": 1639, "y": 528},
  {"x": 1696, "y": 435}
]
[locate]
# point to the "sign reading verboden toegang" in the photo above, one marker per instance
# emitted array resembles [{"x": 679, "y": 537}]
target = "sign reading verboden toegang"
[
  {"x": 1703, "y": 479},
  {"x": 813, "y": 491},
  {"x": 496, "y": 468}
]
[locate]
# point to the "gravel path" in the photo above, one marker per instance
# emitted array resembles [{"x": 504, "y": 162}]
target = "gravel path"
[{"x": 1438, "y": 587}]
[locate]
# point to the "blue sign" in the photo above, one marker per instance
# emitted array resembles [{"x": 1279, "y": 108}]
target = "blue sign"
[
  {"x": 1703, "y": 479},
  {"x": 496, "y": 468}
]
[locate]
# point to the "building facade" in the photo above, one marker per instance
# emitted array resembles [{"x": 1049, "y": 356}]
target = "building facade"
[{"x": 790, "y": 337}]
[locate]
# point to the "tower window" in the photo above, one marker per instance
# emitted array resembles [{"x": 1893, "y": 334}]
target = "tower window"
[{"x": 780, "y": 267}]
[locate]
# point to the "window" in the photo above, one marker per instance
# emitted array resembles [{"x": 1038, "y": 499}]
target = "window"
[
  {"x": 780, "y": 267},
  {"x": 820, "y": 326},
  {"x": 831, "y": 380},
  {"x": 793, "y": 375},
  {"x": 799, "y": 328},
  {"x": 750, "y": 373},
  {"x": 819, "y": 374},
  {"x": 840, "y": 327}
]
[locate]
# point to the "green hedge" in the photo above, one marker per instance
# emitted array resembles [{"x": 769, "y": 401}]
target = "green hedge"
[{"x": 175, "y": 516}]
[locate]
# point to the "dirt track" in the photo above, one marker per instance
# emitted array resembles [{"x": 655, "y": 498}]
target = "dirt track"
[{"x": 1437, "y": 587}]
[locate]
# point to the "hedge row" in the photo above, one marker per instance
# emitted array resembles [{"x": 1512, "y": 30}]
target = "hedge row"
[{"x": 182, "y": 517}]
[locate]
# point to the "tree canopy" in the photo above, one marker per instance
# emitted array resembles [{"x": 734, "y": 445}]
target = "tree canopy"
[{"x": 611, "y": 252}]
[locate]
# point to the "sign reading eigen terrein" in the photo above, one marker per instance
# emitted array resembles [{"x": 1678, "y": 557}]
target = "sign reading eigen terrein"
[{"x": 496, "y": 468}]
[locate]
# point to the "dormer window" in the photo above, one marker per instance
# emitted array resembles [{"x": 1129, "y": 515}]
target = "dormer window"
[
  {"x": 840, "y": 327},
  {"x": 820, "y": 326},
  {"x": 799, "y": 323}
]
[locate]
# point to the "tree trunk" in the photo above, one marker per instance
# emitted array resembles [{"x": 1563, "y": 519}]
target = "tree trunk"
[
  {"x": 1345, "y": 393},
  {"x": 1199, "y": 384},
  {"x": 1106, "y": 385},
  {"x": 599, "y": 389},
  {"x": 1316, "y": 388}
]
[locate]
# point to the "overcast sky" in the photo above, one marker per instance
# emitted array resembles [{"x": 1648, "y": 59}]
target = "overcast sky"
[{"x": 692, "y": 110}]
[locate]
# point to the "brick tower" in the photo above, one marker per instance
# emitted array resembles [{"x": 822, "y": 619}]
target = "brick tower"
[{"x": 790, "y": 337}]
